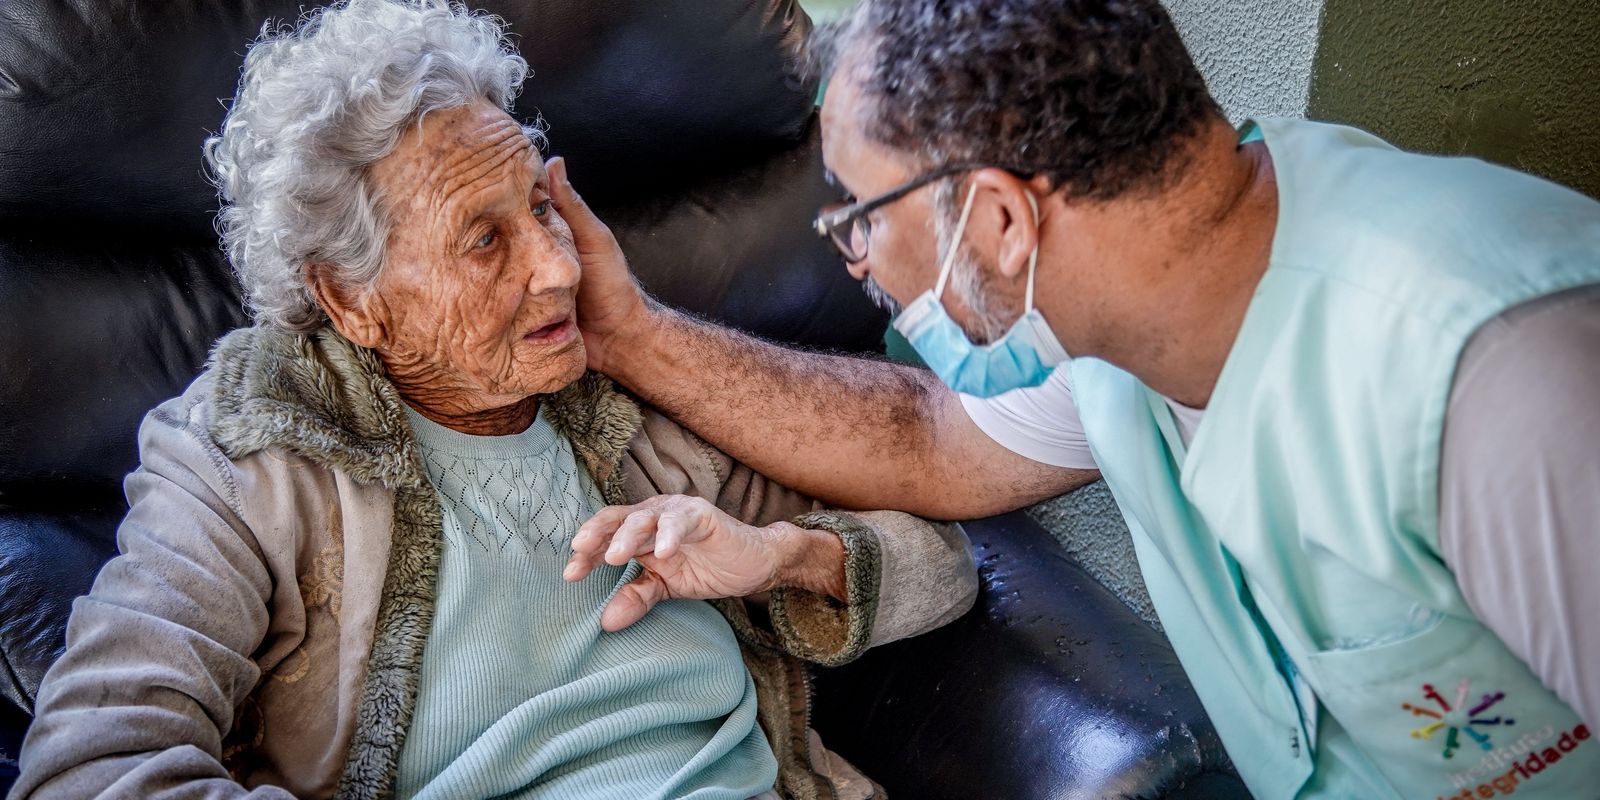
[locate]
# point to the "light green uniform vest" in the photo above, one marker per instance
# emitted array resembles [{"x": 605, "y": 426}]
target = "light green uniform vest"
[{"x": 1292, "y": 552}]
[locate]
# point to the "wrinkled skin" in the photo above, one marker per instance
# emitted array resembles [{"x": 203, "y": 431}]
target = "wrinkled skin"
[{"x": 473, "y": 314}]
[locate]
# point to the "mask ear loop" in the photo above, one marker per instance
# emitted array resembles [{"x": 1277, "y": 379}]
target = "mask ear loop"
[
  {"x": 1033, "y": 257},
  {"x": 950, "y": 257}
]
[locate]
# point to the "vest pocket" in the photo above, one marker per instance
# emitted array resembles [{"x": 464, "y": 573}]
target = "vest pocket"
[
  {"x": 1449, "y": 709},
  {"x": 1355, "y": 667}
]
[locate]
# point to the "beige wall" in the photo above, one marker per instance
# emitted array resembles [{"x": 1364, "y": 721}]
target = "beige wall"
[{"x": 1256, "y": 56}]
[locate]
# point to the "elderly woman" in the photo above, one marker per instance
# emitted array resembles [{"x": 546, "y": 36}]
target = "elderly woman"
[{"x": 366, "y": 553}]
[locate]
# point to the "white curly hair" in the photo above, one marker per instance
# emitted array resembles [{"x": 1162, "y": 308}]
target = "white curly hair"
[{"x": 321, "y": 101}]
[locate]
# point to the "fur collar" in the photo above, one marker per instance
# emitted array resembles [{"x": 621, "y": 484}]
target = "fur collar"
[{"x": 324, "y": 398}]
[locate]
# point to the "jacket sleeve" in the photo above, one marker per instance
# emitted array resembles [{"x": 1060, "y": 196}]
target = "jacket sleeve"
[
  {"x": 156, "y": 657},
  {"x": 903, "y": 575}
]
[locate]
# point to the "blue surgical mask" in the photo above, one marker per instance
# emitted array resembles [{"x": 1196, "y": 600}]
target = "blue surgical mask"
[{"x": 1025, "y": 356}]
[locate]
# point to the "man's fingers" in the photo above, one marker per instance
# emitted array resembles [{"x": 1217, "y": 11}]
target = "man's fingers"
[
  {"x": 588, "y": 232},
  {"x": 632, "y": 602},
  {"x": 561, "y": 191}
]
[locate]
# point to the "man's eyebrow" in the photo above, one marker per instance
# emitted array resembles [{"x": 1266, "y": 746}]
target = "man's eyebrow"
[{"x": 833, "y": 181}]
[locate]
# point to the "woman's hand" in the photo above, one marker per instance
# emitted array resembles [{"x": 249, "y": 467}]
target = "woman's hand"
[{"x": 690, "y": 549}]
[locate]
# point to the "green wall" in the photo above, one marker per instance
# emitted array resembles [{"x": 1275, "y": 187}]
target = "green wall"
[{"x": 1513, "y": 82}]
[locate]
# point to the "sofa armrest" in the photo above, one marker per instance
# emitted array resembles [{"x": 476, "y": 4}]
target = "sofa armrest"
[
  {"x": 13, "y": 726},
  {"x": 47, "y": 559},
  {"x": 1049, "y": 688}
]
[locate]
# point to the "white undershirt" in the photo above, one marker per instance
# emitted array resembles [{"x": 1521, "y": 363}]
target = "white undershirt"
[
  {"x": 1188, "y": 419},
  {"x": 1042, "y": 423}
]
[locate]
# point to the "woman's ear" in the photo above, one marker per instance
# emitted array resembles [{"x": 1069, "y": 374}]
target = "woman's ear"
[{"x": 355, "y": 318}]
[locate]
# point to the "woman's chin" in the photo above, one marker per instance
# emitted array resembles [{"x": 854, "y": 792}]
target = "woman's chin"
[{"x": 549, "y": 370}]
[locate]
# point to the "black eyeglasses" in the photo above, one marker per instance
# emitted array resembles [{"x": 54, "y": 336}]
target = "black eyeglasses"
[{"x": 846, "y": 224}]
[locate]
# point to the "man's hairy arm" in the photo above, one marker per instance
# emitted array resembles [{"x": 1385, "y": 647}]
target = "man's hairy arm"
[{"x": 852, "y": 432}]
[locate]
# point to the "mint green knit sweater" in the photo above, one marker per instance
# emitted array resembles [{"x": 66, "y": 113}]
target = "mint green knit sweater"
[{"x": 521, "y": 693}]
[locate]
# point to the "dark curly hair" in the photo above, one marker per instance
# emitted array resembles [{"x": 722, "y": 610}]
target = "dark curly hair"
[{"x": 1097, "y": 95}]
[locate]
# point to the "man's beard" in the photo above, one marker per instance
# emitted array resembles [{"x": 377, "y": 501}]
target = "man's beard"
[
  {"x": 968, "y": 281},
  {"x": 879, "y": 297}
]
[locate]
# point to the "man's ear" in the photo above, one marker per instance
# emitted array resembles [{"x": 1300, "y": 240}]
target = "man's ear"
[
  {"x": 1019, "y": 221},
  {"x": 355, "y": 318}
]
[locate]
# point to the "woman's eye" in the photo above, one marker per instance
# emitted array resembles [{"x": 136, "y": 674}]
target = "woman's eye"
[
  {"x": 485, "y": 240},
  {"x": 541, "y": 209}
]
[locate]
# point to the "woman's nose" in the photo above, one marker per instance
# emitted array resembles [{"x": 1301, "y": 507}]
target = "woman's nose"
[{"x": 552, "y": 265}]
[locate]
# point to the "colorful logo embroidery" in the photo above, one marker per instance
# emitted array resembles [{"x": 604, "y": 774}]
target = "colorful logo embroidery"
[{"x": 1457, "y": 718}]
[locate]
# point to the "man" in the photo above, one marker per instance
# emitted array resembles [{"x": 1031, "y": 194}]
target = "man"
[{"x": 1348, "y": 398}]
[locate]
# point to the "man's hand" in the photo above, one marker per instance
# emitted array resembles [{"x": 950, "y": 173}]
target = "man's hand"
[
  {"x": 610, "y": 302},
  {"x": 690, "y": 549}
]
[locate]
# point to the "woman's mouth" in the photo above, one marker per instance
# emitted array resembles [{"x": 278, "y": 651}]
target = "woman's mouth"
[{"x": 559, "y": 332}]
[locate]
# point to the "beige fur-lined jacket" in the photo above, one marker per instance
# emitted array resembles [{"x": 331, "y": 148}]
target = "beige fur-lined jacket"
[{"x": 262, "y": 631}]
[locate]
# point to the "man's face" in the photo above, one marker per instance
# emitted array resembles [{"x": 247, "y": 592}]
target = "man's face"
[
  {"x": 480, "y": 276},
  {"x": 904, "y": 253}
]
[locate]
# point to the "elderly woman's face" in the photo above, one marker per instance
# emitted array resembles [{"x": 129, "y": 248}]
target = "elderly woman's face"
[{"x": 475, "y": 303}]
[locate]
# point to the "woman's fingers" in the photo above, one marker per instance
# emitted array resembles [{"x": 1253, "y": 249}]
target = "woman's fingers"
[
  {"x": 671, "y": 528},
  {"x": 688, "y": 548},
  {"x": 632, "y": 602},
  {"x": 614, "y": 535},
  {"x": 592, "y": 540},
  {"x": 636, "y": 535},
  {"x": 595, "y": 535}
]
